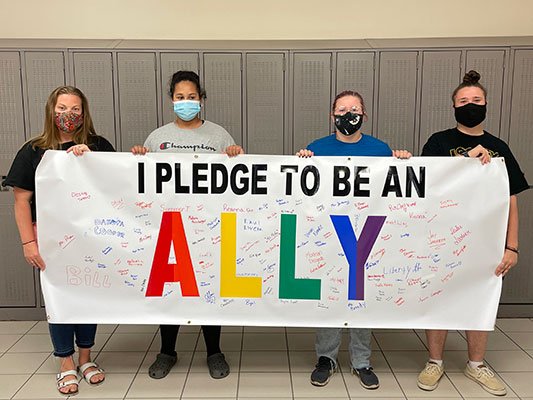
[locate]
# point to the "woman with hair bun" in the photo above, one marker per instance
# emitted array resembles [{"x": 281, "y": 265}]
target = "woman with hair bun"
[
  {"x": 67, "y": 126},
  {"x": 189, "y": 134},
  {"x": 468, "y": 139}
]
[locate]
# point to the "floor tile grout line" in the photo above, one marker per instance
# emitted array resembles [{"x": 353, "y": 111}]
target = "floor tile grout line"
[
  {"x": 512, "y": 340},
  {"x": 289, "y": 363},
  {"x": 198, "y": 334},
  {"x": 454, "y": 386},
  {"x": 498, "y": 372},
  {"x": 390, "y": 366},
  {"x": 140, "y": 364},
  {"x": 239, "y": 365},
  {"x": 32, "y": 374}
]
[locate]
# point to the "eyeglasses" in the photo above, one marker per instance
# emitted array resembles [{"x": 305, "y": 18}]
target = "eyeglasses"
[{"x": 343, "y": 110}]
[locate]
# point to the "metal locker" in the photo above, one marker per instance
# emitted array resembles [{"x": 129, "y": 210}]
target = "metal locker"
[
  {"x": 311, "y": 98},
  {"x": 45, "y": 71},
  {"x": 223, "y": 84},
  {"x": 518, "y": 285},
  {"x": 11, "y": 111},
  {"x": 171, "y": 63},
  {"x": 93, "y": 75},
  {"x": 489, "y": 63},
  {"x": 137, "y": 98},
  {"x": 355, "y": 71},
  {"x": 265, "y": 103},
  {"x": 397, "y": 99},
  {"x": 441, "y": 73},
  {"x": 17, "y": 284},
  {"x": 520, "y": 138}
]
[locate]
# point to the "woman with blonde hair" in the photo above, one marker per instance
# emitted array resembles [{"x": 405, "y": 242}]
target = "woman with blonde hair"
[{"x": 67, "y": 126}]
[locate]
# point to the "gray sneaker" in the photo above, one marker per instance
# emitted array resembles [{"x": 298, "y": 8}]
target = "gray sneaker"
[{"x": 323, "y": 370}]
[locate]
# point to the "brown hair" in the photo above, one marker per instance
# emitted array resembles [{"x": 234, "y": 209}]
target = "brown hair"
[
  {"x": 348, "y": 93},
  {"x": 471, "y": 78},
  {"x": 49, "y": 138}
]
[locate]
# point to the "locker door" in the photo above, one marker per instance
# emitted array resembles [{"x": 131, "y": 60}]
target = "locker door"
[
  {"x": 518, "y": 285},
  {"x": 16, "y": 277},
  {"x": 137, "y": 98},
  {"x": 223, "y": 84},
  {"x": 11, "y": 113},
  {"x": 45, "y": 71},
  {"x": 93, "y": 75},
  {"x": 17, "y": 284},
  {"x": 441, "y": 73},
  {"x": 311, "y": 98},
  {"x": 265, "y": 93},
  {"x": 171, "y": 63},
  {"x": 397, "y": 99},
  {"x": 355, "y": 71},
  {"x": 490, "y": 65}
]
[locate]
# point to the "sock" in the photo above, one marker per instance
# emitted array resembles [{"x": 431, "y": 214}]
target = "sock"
[
  {"x": 438, "y": 362},
  {"x": 474, "y": 364},
  {"x": 212, "y": 339}
]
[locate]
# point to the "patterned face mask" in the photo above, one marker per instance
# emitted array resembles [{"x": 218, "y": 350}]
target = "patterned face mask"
[{"x": 68, "y": 121}]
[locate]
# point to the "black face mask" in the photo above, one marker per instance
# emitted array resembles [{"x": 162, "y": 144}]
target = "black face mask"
[
  {"x": 470, "y": 114},
  {"x": 348, "y": 123}
]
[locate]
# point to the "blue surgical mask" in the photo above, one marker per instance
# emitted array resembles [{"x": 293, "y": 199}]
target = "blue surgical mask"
[{"x": 187, "y": 109}]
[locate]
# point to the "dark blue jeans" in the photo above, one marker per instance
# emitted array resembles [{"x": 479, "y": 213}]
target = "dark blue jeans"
[{"x": 63, "y": 337}]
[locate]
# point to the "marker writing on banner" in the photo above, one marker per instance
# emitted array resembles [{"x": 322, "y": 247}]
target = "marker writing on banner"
[{"x": 290, "y": 287}]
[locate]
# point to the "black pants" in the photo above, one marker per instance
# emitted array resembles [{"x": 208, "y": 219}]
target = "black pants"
[{"x": 169, "y": 336}]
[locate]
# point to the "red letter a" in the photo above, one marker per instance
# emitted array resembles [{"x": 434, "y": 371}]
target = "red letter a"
[{"x": 172, "y": 231}]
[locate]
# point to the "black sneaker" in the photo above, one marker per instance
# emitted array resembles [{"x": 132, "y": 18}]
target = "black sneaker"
[
  {"x": 367, "y": 377},
  {"x": 323, "y": 370}
]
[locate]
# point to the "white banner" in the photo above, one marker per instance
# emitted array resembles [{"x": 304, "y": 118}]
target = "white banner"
[{"x": 271, "y": 240}]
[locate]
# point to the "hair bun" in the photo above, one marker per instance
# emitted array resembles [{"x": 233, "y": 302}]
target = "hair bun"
[{"x": 471, "y": 77}]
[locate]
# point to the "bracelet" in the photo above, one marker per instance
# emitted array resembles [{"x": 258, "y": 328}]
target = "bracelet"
[
  {"x": 28, "y": 242},
  {"x": 512, "y": 249},
  {"x": 465, "y": 154}
]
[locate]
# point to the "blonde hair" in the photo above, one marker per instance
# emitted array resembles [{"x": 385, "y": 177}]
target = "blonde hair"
[{"x": 49, "y": 138}]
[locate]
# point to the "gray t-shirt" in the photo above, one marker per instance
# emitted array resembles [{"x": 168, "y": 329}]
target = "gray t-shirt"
[{"x": 208, "y": 138}]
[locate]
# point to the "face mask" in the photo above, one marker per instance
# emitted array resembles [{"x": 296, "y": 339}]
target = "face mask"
[
  {"x": 187, "y": 109},
  {"x": 348, "y": 123},
  {"x": 470, "y": 114},
  {"x": 69, "y": 121}
]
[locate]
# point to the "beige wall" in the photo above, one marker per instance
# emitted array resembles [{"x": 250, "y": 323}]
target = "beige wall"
[{"x": 263, "y": 19}]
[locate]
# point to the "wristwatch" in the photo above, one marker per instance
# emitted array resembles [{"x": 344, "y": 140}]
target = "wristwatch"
[{"x": 465, "y": 153}]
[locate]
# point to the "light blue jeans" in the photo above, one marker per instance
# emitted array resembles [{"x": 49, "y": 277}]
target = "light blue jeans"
[{"x": 328, "y": 341}]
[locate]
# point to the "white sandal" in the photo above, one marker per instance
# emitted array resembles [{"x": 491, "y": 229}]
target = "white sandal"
[
  {"x": 98, "y": 370},
  {"x": 61, "y": 385}
]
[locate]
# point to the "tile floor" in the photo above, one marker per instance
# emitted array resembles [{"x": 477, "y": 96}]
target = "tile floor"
[{"x": 266, "y": 363}]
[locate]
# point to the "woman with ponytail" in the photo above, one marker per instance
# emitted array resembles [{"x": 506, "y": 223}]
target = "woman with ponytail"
[{"x": 468, "y": 139}]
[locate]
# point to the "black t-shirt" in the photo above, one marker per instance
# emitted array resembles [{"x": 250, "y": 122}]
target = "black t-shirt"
[
  {"x": 22, "y": 171},
  {"x": 452, "y": 142}
]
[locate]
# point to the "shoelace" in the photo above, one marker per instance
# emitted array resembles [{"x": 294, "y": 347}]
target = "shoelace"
[
  {"x": 484, "y": 371},
  {"x": 432, "y": 369}
]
